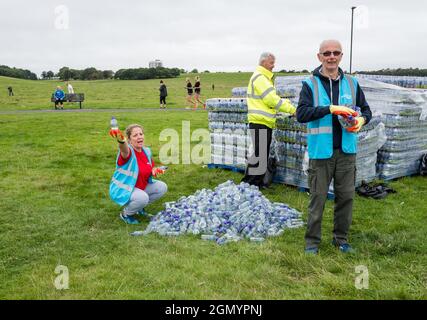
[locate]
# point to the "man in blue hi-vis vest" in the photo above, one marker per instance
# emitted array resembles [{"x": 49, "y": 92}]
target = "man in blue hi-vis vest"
[{"x": 332, "y": 149}]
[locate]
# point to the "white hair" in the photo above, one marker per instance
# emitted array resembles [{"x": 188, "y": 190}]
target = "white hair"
[
  {"x": 265, "y": 56},
  {"x": 328, "y": 42}
]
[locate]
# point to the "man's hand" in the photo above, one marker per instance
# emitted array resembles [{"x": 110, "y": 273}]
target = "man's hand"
[
  {"x": 342, "y": 111},
  {"x": 293, "y": 110},
  {"x": 118, "y": 135},
  {"x": 360, "y": 121},
  {"x": 157, "y": 171}
]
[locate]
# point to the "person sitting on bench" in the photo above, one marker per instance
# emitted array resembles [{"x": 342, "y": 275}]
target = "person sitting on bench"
[{"x": 59, "y": 98}]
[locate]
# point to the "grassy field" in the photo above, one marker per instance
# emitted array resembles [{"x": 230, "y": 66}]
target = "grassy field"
[
  {"x": 31, "y": 95},
  {"x": 55, "y": 210}
]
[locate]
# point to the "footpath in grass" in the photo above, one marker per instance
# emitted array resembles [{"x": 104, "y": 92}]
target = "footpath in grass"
[{"x": 55, "y": 210}]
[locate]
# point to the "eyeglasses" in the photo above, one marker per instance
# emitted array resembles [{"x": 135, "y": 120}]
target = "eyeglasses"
[{"x": 329, "y": 53}]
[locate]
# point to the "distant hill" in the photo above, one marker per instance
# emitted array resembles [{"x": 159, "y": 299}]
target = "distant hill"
[{"x": 17, "y": 73}]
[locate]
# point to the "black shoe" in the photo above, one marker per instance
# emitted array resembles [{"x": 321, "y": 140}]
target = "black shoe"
[{"x": 264, "y": 186}]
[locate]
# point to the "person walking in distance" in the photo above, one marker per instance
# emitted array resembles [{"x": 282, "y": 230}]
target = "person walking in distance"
[
  {"x": 189, "y": 88},
  {"x": 163, "y": 94},
  {"x": 197, "y": 91}
]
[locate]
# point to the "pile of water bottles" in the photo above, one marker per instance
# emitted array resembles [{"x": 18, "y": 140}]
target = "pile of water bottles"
[
  {"x": 228, "y": 213},
  {"x": 230, "y": 139},
  {"x": 403, "y": 112},
  {"x": 370, "y": 139},
  {"x": 406, "y": 142},
  {"x": 289, "y": 148},
  {"x": 390, "y": 146},
  {"x": 401, "y": 81}
]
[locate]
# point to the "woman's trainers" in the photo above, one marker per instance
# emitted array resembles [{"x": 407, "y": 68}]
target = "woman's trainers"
[
  {"x": 128, "y": 219},
  {"x": 141, "y": 213}
]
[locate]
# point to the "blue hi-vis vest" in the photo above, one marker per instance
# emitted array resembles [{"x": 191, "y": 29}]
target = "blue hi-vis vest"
[
  {"x": 320, "y": 132},
  {"x": 124, "y": 178}
]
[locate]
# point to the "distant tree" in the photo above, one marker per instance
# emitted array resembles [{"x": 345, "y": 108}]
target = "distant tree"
[
  {"x": 91, "y": 74},
  {"x": 305, "y": 71},
  {"x": 50, "y": 74},
  {"x": 44, "y": 75},
  {"x": 107, "y": 74},
  {"x": 64, "y": 73},
  {"x": 206, "y": 71},
  {"x": 194, "y": 71}
]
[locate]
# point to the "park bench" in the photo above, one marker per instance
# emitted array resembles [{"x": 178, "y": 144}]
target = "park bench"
[{"x": 71, "y": 97}]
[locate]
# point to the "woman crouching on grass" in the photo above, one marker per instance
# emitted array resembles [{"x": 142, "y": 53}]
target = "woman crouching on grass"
[{"x": 132, "y": 184}]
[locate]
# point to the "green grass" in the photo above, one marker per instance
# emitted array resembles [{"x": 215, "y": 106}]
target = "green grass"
[
  {"x": 30, "y": 95},
  {"x": 111, "y": 94},
  {"x": 54, "y": 209}
]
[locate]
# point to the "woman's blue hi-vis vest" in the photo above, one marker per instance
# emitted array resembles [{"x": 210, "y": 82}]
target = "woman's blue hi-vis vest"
[
  {"x": 124, "y": 178},
  {"x": 320, "y": 132}
]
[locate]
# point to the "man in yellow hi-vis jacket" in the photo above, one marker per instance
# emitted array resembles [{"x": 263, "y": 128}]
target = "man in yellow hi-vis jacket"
[{"x": 263, "y": 106}]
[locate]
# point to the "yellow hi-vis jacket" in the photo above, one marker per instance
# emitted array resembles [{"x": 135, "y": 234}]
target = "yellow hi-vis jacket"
[{"x": 263, "y": 101}]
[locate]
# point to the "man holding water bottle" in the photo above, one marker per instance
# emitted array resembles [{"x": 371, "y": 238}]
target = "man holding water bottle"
[{"x": 325, "y": 96}]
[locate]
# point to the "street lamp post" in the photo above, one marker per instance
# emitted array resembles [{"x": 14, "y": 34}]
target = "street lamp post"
[{"x": 351, "y": 41}]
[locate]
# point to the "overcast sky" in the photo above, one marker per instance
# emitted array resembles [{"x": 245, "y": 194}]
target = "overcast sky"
[{"x": 220, "y": 35}]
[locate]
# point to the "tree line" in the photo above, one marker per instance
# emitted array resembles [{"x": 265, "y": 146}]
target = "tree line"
[
  {"x": 17, "y": 73},
  {"x": 66, "y": 74},
  {"x": 413, "y": 72},
  {"x": 147, "y": 73}
]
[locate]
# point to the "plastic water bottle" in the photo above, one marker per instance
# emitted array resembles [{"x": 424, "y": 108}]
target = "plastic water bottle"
[
  {"x": 113, "y": 123},
  {"x": 137, "y": 233},
  {"x": 256, "y": 239},
  {"x": 208, "y": 237},
  {"x": 349, "y": 121}
]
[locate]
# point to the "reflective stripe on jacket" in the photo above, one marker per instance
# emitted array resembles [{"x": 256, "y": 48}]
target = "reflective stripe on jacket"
[
  {"x": 263, "y": 101},
  {"x": 320, "y": 132},
  {"x": 124, "y": 178}
]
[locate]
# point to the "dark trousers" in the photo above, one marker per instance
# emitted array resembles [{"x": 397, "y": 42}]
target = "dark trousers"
[
  {"x": 342, "y": 168},
  {"x": 257, "y": 162}
]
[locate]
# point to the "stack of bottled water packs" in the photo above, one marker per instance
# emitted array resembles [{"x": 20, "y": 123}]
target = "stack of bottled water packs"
[
  {"x": 228, "y": 213},
  {"x": 403, "y": 112},
  {"x": 401, "y": 81},
  {"x": 230, "y": 141}
]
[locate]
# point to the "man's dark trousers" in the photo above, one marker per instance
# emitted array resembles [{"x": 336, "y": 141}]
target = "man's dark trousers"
[
  {"x": 342, "y": 168},
  {"x": 253, "y": 164}
]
